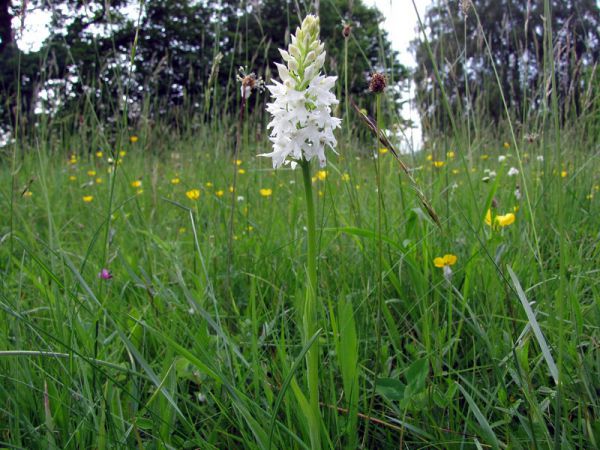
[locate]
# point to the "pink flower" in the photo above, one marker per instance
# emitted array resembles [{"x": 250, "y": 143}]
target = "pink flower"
[{"x": 105, "y": 274}]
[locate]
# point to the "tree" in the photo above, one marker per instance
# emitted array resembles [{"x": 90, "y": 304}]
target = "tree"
[{"x": 514, "y": 30}]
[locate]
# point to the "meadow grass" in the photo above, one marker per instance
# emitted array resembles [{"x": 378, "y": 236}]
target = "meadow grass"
[
  {"x": 194, "y": 336},
  {"x": 172, "y": 354}
]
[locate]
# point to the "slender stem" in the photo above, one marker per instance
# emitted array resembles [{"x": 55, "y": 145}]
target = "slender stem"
[{"x": 310, "y": 316}]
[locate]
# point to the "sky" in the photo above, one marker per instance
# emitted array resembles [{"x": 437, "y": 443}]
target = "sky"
[{"x": 401, "y": 23}]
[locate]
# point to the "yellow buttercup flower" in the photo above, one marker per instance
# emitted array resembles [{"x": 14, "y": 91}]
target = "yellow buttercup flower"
[
  {"x": 446, "y": 260},
  {"x": 27, "y": 194},
  {"x": 72, "y": 178},
  {"x": 136, "y": 184},
  {"x": 193, "y": 194},
  {"x": 88, "y": 198},
  {"x": 241, "y": 171},
  {"x": 231, "y": 189},
  {"x": 345, "y": 177},
  {"x": 322, "y": 175},
  {"x": 455, "y": 171},
  {"x": 238, "y": 162},
  {"x": 506, "y": 145},
  {"x": 133, "y": 139},
  {"x": 484, "y": 157},
  {"x": 266, "y": 192},
  {"x": 383, "y": 151},
  {"x": 450, "y": 154},
  {"x": 91, "y": 173},
  {"x": 99, "y": 180},
  {"x": 99, "y": 154},
  {"x": 122, "y": 153},
  {"x": 429, "y": 157},
  {"x": 563, "y": 174},
  {"x": 175, "y": 180},
  {"x": 208, "y": 184},
  {"x": 438, "y": 164},
  {"x": 220, "y": 193}
]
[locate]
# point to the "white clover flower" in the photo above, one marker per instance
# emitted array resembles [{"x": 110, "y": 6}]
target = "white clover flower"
[
  {"x": 540, "y": 157},
  {"x": 302, "y": 125},
  {"x": 501, "y": 158},
  {"x": 513, "y": 171}
]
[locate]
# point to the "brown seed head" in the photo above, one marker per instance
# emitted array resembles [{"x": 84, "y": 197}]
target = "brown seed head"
[
  {"x": 378, "y": 83},
  {"x": 346, "y": 30}
]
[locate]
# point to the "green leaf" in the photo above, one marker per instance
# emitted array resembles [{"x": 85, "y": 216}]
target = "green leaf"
[{"x": 390, "y": 388}]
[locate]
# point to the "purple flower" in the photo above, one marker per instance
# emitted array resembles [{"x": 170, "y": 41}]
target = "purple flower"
[{"x": 105, "y": 274}]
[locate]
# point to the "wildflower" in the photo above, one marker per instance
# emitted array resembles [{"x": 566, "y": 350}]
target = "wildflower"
[
  {"x": 238, "y": 162},
  {"x": 383, "y": 151},
  {"x": 72, "y": 178},
  {"x": 220, "y": 193},
  {"x": 88, "y": 198},
  {"x": 540, "y": 158},
  {"x": 438, "y": 164},
  {"x": 27, "y": 194},
  {"x": 429, "y": 157},
  {"x": 99, "y": 154},
  {"x": 73, "y": 159},
  {"x": 450, "y": 154},
  {"x": 322, "y": 175},
  {"x": 505, "y": 220},
  {"x": 208, "y": 184},
  {"x": 302, "y": 125},
  {"x": 241, "y": 171},
  {"x": 105, "y": 274},
  {"x": 266, "y": 192},
  {"x": 122, "y": 153},
  {"x": 240, "y": 198},
  {"x": 506, "y": 145},
  {"x": 345, "y": 177},
  {"x": 518, "y": 193},
  {"x": 136, "y": 184},
  {"x": 231, "y": 189},
  {"x": 181, "y": 230},
  {"x": 193, "y": 194},
  {"x": 501, "y": 158},
  {"x": 133, "y": 139},
  {"x": 378, "y": 83},
  {"x": 175, "y": 180},
  {"x": 99, "y": 180},
  {"x": 484, "y": 157},
  {"x": 444, "y": 262},
  {"x": 455, "y": 171},
  {"x": 563, "y": 174},
  {"x": 513, "y": 171},
  {"x": 91, "y": 173}
]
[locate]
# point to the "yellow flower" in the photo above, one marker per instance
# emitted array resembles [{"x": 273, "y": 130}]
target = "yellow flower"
[
  {"x": 231, "y": 189},
  {"x": 589, "y": 196},
  {"x": 133, "y": 139},
  {"x": 450, "y": 154},
  {"x": 99, "y": 154},
  {"x": 139, "y": 191},
  {"x": 563, "y": 174},
  {"x": 321, "y": 175},
  {"x": 220, "y": 193},
  {"x": 484, "y": 157},
  {"x": 266, "y": 192},
  {"x": 238, "y": 162},
  {"x": 88, "y": 198},
  {"x": 99, "y": 180},
  {"x": 27, "y": 194},
  {"x": 241, "y": 171},
  {"x": 345, "y": 177},
  {"x": 505, "y": 220},
  {"x": 136, "y": 183},
  {"x": 383, "y": 151},
  {"x": 455, "y": 171},
  {"x": 488, "y": 217},
  {"x": 321, "y": 193},
  {"x": 429, "y": 157},
  {"x": 438, "y": 164},
  {"x": 91, "y": 173},
  {"x": 181, "y": 230},
  {"x": 72, "y": 178},
  {"x": 193, "y": 194},
  {"x": 314, "y": 178},
  {"x": 73, "y": 159},
  {"x": 122, "y": 153},
  {"x": 208, "y": 184},
  {"x": 506, "y": 145},
  {"x": 175, "y": 180},
  {"x": 446, "y": 260}
]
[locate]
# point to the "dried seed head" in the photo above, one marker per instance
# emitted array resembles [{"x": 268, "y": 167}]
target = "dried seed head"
[
  {"x": 465, "y": 6},
  {"x": 378, "y": 83},
  {"x": 346, "y": 30}
]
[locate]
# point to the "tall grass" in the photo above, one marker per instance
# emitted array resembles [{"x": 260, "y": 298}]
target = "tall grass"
[{"x": 191, "y": 345}]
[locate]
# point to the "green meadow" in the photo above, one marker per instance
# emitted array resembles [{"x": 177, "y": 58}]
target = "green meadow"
[{"x": 155, "y": 280}]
